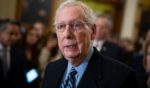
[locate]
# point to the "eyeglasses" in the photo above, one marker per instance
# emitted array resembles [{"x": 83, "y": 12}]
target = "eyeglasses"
[{"x": 74, "y": 26}]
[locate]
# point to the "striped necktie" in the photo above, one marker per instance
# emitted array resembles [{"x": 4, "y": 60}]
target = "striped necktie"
[{"x": 70, "y": 82}]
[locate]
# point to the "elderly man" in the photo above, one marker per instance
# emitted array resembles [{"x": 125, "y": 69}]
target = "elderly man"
[
  {"x": 82, "y": 65},
  {"x": 104, "y": 46}
]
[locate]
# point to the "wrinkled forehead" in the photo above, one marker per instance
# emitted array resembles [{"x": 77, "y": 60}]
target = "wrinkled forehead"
[{"x": 75, "y": 12}]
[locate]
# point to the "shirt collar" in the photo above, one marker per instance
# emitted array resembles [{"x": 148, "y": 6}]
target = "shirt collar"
[
  {"x": 98, "y": 42},
  {"x": 81, "y": 68}
]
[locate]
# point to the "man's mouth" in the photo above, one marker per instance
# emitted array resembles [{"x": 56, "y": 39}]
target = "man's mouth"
[{"x": 71, "y": 46}]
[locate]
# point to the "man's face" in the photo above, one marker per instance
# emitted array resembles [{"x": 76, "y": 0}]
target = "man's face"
[
  {"x": 102, "y": 30},
  {"x": 74, "y": 42},
  {"x": 10, "y": 35}
]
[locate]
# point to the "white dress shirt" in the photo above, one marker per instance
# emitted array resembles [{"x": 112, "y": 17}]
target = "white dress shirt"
[
  {"x": 98, "y": 44},
  {"x": 80, "y": 69}
]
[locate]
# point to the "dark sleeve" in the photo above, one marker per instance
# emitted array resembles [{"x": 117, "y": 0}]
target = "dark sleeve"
[
  {"x": 47, "y": 73},
  {"x": 130, "y": 82}
]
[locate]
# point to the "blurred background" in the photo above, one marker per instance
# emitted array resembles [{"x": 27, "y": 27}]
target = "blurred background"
[
  {"x": 131, "y": 18},
  {"x": 33, "y": 44}
]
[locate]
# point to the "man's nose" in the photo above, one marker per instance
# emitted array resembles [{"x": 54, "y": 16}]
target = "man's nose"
[{"x": 68, "y": 33}]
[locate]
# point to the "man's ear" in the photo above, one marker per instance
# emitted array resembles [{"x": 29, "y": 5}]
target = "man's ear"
[{"x": 93, "y": 34}]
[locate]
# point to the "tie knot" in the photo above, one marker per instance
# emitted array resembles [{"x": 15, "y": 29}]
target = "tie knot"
[
  {"x": 73, "y": 72},
  {"x": 70, "y": 82}
]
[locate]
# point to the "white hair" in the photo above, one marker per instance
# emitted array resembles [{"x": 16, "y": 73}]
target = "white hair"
[{"x": 88, "y": 13}]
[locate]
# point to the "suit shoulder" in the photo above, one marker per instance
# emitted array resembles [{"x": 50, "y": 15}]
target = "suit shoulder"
[
  {"x": 55, "y": 63},
  {"x": 113, "y": 45},
  {"x": 112, "y": 66},
  {"x": 108, "y": 63},
  {"x": 123, "y": 75},
  {"x": 117, "y": 65}
]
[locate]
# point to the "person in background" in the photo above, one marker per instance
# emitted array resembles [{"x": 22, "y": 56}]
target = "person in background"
[
  {"x": 82, "y": 66},
  {"x": 11, "y": 58},
  {"x": 31, "y": 53},
  {"x": 49, "y": 52},
  {"x": 29, "y": 46},
  {"x": 40, "y": 28},
  {"x": 137, "y": 60},
  {"x": 14, "y": 30},
  {"x": 101, "y": 42}
]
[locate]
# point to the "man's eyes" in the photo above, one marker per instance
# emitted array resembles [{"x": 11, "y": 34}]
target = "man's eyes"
[
  {"x": 77, "y": 24},
  {"x": 73, "y": 25},
  {"x": 60, "y": 26}
]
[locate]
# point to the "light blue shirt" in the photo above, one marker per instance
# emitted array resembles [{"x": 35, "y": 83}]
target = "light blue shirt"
[{"x": 80, "y": 68}]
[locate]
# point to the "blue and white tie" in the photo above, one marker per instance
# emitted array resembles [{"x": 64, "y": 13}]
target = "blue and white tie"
[{"x": 70, "y": 82}]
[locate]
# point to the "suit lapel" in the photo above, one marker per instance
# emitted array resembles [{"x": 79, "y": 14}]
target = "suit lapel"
[
  {"x": 92, "y": 76},
  {"x": 57, "y": 74}
]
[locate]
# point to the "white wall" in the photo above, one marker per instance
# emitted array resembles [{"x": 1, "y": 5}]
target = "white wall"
[
  {"x": 127, "y": 30},
  {"x": 8, "y": 9}
]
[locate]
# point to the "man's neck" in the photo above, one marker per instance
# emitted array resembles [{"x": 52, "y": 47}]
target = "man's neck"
[{"x": 77, "y": 61}]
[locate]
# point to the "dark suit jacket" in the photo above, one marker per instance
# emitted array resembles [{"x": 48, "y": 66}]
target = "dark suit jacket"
[
  {"x": 15, "y": 76},
  {"x": 112, "y": 50},
  {"x": 100, "y": 73}
]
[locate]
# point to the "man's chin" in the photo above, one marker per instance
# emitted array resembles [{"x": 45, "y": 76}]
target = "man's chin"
[{"x": 71, "y": 56}]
